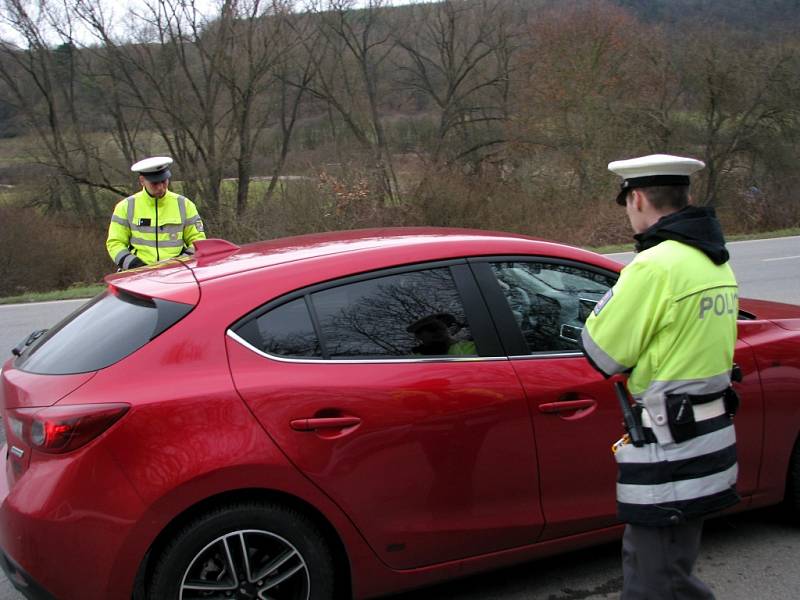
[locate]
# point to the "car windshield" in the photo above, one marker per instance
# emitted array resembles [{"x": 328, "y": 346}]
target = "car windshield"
[{"x": 101, "y": 332}]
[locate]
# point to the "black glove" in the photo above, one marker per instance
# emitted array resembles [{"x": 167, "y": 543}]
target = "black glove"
[{"x": 136, "y": 262}]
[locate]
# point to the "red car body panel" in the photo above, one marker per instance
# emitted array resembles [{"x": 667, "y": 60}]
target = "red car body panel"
[
  {"x": 394, "y": 459},
  {"x": 516, "y": 477}
]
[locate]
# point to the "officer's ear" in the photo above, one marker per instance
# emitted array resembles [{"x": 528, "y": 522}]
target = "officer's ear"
[{"x": 638, "y": 199}]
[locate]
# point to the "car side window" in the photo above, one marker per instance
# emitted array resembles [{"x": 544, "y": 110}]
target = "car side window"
[
  {"x": 550, "y": 302},
  {"x": 284, "y": 331},
  {"x": 412, "y": 315}
]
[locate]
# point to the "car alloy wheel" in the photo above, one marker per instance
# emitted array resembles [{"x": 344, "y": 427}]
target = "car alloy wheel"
[
  {"x": 248, "y": 550},
  {"x": 247, "y": 564}
]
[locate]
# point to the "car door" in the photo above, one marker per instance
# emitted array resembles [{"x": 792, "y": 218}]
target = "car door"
[
  {"x": 539, "y": 306},
  {"x": 430, "y": 454}
]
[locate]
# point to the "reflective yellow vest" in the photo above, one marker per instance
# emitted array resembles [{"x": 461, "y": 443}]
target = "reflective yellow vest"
[
  {"x": 671, "y": 320},
  {"x": 151, "y": 229}
]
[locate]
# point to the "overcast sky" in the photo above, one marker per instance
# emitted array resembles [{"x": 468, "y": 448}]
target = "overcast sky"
[{"x": 118, "y": 12}]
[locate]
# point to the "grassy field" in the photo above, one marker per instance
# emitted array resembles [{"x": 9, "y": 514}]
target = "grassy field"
[{"x": 92, "y": 290}]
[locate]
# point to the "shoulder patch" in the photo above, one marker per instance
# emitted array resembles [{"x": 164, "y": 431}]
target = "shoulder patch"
[{"x": 603, "y": 301}]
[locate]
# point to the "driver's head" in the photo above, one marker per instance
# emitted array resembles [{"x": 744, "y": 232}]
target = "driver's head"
[{"x": 432, "y": 328}]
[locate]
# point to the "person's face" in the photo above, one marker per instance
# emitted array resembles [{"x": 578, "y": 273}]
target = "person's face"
[
  {"x": 634, "y": 207},
  {"x": 156, "y": 190},
  {"x": 433, "y": 332}
]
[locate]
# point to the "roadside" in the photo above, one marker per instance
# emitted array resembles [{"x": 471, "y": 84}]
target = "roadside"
[
  {"x": 87, "y": 291},
  {"x": 791, "y": 231}
]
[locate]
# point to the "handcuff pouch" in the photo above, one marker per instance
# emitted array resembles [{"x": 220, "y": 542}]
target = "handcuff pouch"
[{"x": 680, "y": 417}]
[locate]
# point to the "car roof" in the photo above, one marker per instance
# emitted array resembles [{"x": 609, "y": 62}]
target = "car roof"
[{"x": 402, "y": 245}]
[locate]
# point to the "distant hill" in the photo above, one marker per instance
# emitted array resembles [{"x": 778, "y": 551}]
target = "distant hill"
[{"x": 762, "y": 16}]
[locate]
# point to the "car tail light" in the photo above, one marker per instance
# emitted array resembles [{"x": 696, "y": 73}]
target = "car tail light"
[{"x": 60, "y": 429}]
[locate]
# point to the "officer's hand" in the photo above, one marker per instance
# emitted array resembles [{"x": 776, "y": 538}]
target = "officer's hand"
[{"x": 136, "y": 262}]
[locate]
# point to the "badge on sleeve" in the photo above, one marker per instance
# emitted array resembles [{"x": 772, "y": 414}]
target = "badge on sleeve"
[
  {"x": 199, "y": 226},
  {"x": 603, "y": 301}
]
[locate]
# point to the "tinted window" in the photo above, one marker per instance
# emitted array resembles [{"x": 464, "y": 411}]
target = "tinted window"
[
  {"x": 406, "y": 315},
  {"x": 550, "y": 302},
  {"x": 284, "y": 331},
  {"x": 100, "y": 333}
]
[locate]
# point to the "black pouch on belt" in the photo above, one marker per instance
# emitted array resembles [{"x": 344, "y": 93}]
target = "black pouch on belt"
[
  {"x": 731, "y": 399},
  {"x": 680, "y": 417}
]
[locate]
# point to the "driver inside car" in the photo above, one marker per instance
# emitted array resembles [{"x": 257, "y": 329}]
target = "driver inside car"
[{"x": 435, "y": 338}]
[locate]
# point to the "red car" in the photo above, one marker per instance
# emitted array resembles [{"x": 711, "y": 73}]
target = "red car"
[{"x": 337, "y": 415}]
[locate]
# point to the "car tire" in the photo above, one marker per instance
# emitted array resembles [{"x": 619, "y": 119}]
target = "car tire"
[{"x": 241, "y": 550}]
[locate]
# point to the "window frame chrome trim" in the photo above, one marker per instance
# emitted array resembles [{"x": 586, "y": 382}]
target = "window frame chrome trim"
[{"x": 339, "y": 361}]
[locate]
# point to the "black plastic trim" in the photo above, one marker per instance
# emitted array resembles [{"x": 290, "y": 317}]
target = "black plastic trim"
[
  {"x": 169, "y": 313},
  {"x": 481, "y": 325},
  {"x": 22, "y": 581}
]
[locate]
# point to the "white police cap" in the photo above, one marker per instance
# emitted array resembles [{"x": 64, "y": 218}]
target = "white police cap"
[
  {"x": 153, "y": 169},
  {"x": 654, "y": 169}
]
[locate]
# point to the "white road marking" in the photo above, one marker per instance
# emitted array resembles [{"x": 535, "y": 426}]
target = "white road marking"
[
  {"x": 780, "y": 258},
  {"x": 24, "y": 304},
  {"x": 787, "y": 237}
]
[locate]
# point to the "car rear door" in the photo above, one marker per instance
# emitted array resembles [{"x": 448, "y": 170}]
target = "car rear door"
[{"x": 431, "y": 456}]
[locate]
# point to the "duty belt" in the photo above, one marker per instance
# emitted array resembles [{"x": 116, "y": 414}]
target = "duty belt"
[{"x": 707, "y": 408}]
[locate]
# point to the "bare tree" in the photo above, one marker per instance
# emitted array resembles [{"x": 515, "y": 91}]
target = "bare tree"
[
  {"x": 46, "y": 85},
  {"x": 459, "y": 55},
  {"x": 744, "y": 91},
  {"x": 350, "y": 57},
  {"x": 579, "y": 90}
]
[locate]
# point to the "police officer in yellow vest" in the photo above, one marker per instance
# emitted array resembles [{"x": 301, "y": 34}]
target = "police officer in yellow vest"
[
  {"x": 670, "y": 321},
  {"x": 155, "y": 223}
]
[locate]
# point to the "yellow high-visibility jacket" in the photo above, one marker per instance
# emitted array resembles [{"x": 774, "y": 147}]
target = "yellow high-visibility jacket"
[
  {"x": 152, "y": 229},
  {"x": 671, "y": 321}
]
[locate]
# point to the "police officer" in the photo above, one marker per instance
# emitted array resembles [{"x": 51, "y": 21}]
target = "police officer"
[
  {"x": 155, "y": 223},
  {"x": 670, "y": 321}
]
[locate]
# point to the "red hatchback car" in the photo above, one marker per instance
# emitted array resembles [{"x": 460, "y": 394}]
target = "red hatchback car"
[{"x": 338, "y": 415}]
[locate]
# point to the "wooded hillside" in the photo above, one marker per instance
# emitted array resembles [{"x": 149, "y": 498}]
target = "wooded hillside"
[{"x": 286, "y": 118}]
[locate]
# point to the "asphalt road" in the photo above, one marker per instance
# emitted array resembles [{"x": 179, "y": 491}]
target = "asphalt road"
[
  {"x": 765, "y": 269},
  {"x": 753, "y": 555}
]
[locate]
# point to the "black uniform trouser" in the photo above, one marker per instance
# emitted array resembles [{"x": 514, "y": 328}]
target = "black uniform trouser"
[{"x": 657, "y": 563}]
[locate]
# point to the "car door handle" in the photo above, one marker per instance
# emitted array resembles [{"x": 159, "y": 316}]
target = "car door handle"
[
  {"x": 568, "y": 405},
  {"x": 316, "y": 423}
]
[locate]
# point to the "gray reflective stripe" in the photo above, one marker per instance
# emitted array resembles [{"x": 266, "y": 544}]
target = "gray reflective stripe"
[
  {"x": 128, "y": 260},
  {"x": 182, "y": 209},
  {"x": 161, "y": 229},
  {"x": 706, "y": 385},
  {"x": 159, "y": 243},
  {"x": 120, "y": 255},
  {"x": 599, "y": 356},
  {"x": 192, "y": 220},
  {"x": 699, "y": 446},
  {"x": 131, "y": 205},
  {"x": 120, "y": 220},
  {"x": 676, "y": 491}
]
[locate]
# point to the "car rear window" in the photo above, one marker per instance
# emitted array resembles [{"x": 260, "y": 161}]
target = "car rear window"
[{"x": 101, "y": 332}]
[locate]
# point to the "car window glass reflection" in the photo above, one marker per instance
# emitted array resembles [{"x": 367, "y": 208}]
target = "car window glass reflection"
[
  {"x": 550, "y": 302},
  {"x": 408, "y": 315},
  {"x": 287, "y": 331}
]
